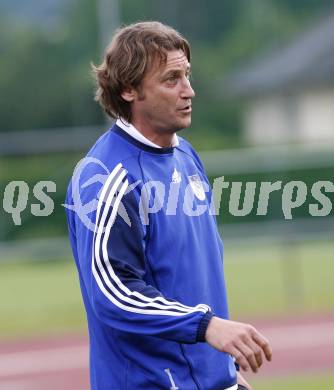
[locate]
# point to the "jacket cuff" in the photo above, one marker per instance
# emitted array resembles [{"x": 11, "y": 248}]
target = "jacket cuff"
[{"x": 203, "y": 325}]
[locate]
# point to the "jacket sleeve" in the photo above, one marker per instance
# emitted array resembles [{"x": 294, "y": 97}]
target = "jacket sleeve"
[{"x": 116, "y": 282}]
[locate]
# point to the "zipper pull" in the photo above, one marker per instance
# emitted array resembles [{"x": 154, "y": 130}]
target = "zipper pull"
[{"x": 174, "y": 387}]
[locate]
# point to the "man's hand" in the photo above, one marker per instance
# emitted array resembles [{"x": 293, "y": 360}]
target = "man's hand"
[{"x": 240, "y": 340}]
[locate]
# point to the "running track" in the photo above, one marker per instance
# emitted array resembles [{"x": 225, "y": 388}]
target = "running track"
[{"x": 302, "y": 345}]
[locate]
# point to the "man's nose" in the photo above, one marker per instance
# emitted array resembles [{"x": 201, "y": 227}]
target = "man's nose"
[{"x": 187, "y": 90}]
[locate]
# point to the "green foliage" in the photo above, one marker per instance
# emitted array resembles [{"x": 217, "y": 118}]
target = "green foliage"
[
  {"x": 31, "y": 169},
  {"x": 45, "y": 74},
  {"x": 59, "y": 168},
  {"x": 44, "y": 77},
  {"x": 275, "y": 211}
]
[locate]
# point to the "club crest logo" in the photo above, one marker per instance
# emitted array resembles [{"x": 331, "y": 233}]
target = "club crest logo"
[{"x": 197, "y": 186}]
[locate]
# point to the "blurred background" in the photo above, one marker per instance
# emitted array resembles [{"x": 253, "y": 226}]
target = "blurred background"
[{"x": 263, "y": 72}]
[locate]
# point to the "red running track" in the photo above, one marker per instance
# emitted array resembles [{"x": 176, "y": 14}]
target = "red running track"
[{"x": 299, "y": 346}]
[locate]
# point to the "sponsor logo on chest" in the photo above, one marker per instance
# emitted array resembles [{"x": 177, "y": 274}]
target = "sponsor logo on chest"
[{"x": 176, "y": 176}]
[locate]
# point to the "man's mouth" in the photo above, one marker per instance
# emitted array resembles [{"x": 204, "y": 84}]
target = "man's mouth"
[{"x": 185, "y": 108}]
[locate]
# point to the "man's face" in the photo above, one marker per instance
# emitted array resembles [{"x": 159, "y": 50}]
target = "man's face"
[{"x": 163, "y": 102}]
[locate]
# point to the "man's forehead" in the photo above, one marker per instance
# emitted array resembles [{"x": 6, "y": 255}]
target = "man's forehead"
[{"x": 176, "y": 58}]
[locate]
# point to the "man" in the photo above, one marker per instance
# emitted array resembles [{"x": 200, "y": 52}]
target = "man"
[{"x": 149, "y": 255}]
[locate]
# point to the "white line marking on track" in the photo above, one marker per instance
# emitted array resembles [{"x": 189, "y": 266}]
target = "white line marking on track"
[
  {"x": 62, "y": 359},
  {"x": 17, "y": 385},
  {"x": 300, "y": 336},
  {"x": 47, "y": 360}
]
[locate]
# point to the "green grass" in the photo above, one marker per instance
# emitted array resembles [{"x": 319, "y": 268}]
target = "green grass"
[
  {"x": 270, "y": 281},
  {"x": 307, "y": 382},
  {"x": 44, "y": 298},
  {"x": 41, "y": 298}
]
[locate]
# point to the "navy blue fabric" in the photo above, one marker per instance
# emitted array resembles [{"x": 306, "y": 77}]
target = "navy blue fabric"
[{"x": 150, "y": 282}]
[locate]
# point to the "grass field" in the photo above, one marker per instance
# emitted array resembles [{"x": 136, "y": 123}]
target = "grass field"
[
  {"x": 39, "y": 299},
  {"x": 270, "y": 281},
  {"x": 308, "y": 382},
  {"x": 263, "y": 281}
]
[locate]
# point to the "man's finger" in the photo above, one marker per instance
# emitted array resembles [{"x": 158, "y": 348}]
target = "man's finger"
[
  {"x": 257, "y": 351},
  {"x": 240, "y": 359},
  {"x": 263, "y": 343},
  {"x": 249, "y": 355}
]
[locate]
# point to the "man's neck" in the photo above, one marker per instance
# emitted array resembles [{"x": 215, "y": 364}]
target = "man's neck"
[
  {"x": 164, "y": 140},
  {"x": 155, "y": 140}
]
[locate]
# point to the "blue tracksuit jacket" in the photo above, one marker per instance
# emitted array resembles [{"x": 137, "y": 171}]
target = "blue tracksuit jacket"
[{"x": 149, "y": 259}]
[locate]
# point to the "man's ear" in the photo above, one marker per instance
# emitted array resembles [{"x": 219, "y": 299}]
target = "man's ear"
[{"x": 129, "y": 94}]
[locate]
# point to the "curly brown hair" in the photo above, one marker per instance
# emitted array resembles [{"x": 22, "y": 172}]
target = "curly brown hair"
[{"x": 127, "y": 59}]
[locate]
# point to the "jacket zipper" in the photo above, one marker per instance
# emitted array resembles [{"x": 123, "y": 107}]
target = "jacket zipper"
[{"x": 191, "y": 369}]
